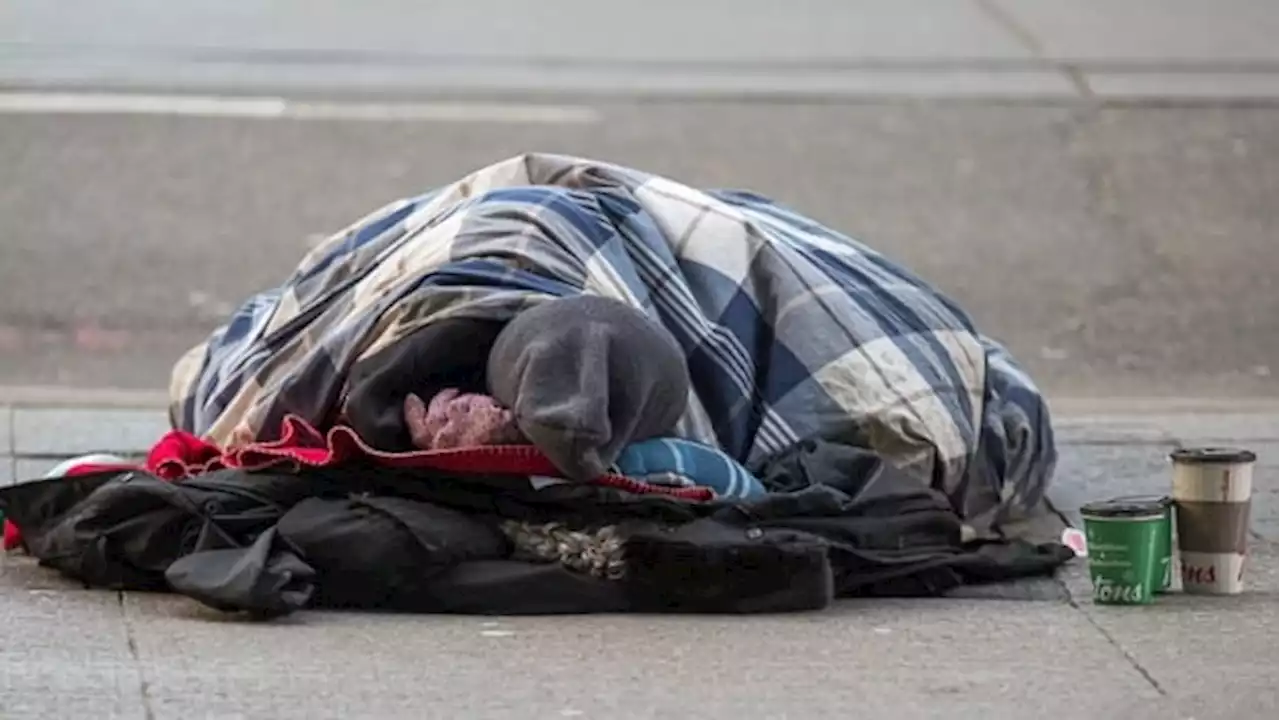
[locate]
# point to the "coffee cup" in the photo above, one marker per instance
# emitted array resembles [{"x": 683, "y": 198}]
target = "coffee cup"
[
  {"x": 1212, "y": 489},
  {"x": 1126, "y": 537}
]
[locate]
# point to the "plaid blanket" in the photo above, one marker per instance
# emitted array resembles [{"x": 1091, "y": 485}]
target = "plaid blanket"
[{"x": 790, "y": 328}]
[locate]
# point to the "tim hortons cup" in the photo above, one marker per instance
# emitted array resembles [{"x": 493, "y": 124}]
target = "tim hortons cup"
[{"x": 1212, "y": 488}]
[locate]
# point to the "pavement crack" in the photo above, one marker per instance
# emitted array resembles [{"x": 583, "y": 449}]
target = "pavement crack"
[
  {"x": 1023, "y": 34},
  {"x": 1129, "y": 658},
  {"x": 144, "y": 685},
  {"x": 1013, "y": 26}
]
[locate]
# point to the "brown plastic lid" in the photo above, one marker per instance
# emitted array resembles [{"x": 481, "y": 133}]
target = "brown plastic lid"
[{"x": 1212, "y": 455}]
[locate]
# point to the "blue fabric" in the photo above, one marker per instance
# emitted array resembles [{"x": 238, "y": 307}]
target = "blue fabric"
[{"x": 666, "y": 461}]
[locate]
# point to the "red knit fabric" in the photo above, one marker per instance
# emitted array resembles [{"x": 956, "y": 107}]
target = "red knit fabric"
[{"x": 180, "y": 454}]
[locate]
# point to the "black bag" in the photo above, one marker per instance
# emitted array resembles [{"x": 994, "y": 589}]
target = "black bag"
[{"x": 122, "y": 530}]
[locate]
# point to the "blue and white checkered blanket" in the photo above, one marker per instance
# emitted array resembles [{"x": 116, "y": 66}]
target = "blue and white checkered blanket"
[{"x": 791, "y": 329}]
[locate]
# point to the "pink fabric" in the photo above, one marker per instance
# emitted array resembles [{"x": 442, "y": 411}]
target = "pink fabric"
[{"x": 456, "y": 420}]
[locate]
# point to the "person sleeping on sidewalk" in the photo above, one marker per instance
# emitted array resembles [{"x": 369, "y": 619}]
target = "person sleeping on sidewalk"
[{"x": 593, "y": 384}]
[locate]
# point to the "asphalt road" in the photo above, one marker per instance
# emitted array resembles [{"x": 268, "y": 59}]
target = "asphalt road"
[
  {"x": 1119, "y": 251},
  {"x": 1120, "y": 248}
]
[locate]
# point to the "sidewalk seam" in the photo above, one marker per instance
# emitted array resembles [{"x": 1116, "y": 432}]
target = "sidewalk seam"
[
  {"x": 144, "y": 685},
  {"x": 1133, "y": 662}
]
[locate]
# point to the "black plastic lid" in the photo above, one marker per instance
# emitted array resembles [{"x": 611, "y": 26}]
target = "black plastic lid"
[
  {"x": 1208, "y": 455},
  {"x": 1163, "y": 501},
  {"x": 1133, "y": 506}
]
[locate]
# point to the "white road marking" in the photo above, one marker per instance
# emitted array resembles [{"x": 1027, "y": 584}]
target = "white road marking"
[
  {"x": 276, "y": 108},
  {"x": 443, "y": 112},
  {"x": 128, "y": 104}
]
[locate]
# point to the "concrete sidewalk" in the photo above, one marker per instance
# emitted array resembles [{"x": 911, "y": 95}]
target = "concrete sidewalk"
[
  {"x": 1085, "y": 49},
  {"x": 67, "y": 652}
]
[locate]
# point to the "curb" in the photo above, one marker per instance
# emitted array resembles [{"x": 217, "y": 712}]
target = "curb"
[
  {"x": 1091, "y": 408},
  {"x": 23, "y": 396}
]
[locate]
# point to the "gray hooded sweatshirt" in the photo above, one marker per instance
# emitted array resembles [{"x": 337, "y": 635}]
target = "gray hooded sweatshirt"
[{"x": 585, "y": 377}]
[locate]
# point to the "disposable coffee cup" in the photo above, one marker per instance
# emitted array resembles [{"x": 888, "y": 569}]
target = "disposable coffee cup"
[
  {"x": 1124, "y": 540},
  {"x": 1162, "y": 568},
  {"x": 1212, "y": 488}
]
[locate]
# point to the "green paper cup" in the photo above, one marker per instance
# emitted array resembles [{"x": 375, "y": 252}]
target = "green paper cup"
[
  {"x": 1163, "y": 566},
  {"x": 1124, "y": 540}
]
